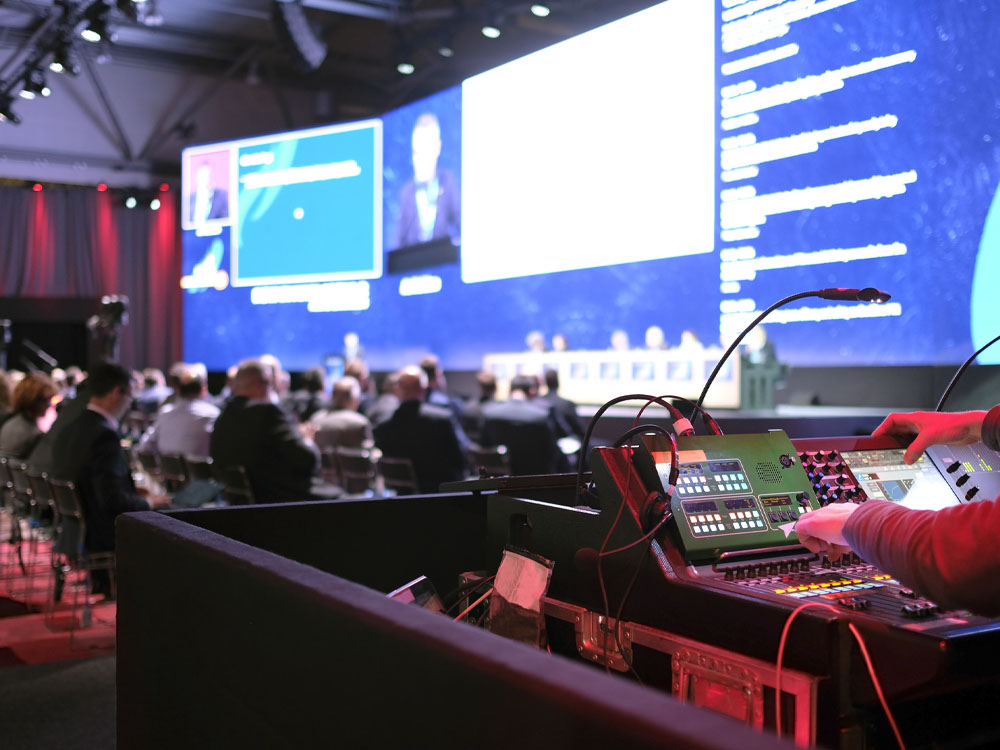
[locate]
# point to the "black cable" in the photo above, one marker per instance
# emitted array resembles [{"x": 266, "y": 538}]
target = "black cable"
[
  {"x": 621, "y": 610},
  {"x": 464, "y": 591},
  {"x": 705, "y": 416},
  {"x": 962, "y": 369}
]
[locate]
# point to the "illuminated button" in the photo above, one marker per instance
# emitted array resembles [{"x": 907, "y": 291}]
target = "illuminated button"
[
  {"x": 759, "y": 523},
  {"x": 702, "y": 479},
  {"x": 697, "y": 529},
  {"x": 743, "y": 486},
  {"x": 713, "y": 527},
  {"x": 756, "y": 514},
  {"x": 718, "y": 517},
  {"x": 729, "y": 487}
]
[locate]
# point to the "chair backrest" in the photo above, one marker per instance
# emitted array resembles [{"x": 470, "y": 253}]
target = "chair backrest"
[
  {"x": 6, "y": 480},
  {"x": 356, "y": 469},
  {"x": 66, "y": 502},
  {"x": 150, "y": 463},
  {"x": 236, "y": 487},
  {"x": 40, "y": 489},
  {"x": 328, "y": 464},
  {"x": 174, "y": 470},
  {"x": 490, "y": 461},
  {"x": 200, "y": 468},
  {"x": 398, "y": 475}
]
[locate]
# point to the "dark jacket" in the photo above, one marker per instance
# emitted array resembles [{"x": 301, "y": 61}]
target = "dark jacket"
[{"x": 425, "y": 434}]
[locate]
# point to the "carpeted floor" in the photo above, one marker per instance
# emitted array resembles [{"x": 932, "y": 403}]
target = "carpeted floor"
[{"x": 66, "y": 705}]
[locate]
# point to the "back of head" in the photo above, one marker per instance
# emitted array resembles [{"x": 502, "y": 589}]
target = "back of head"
[
  {"x": 552, "y": 380},
  {"x": 253, "y": 376},
  {"x": 357, "y": 369},
  {"x": 190, "y": 382},
  {"x": 104, "y": 377},
  {"x": 346, "y": 393},
  {"x": 33, "y": 395},
  {"x": 487, "y": 384},
  {"x": 389, "y": 383},
  {"x": 153, "y": 377},
  {"x": 526, "y": 385},
  {"x": 314, "y": 379},
  {"x": 431, "y": 366},
  {"x": 411, "y": 383}
]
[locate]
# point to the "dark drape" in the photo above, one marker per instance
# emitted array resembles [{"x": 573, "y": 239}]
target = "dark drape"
[{"x": 83, "y": 243}]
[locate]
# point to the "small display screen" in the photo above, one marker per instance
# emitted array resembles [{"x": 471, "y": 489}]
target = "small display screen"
[
  {"x": 720, "y": 467},
  {"x": 883, "y": 476},
  {"x": 739, "y": 503},
  {"x": 689, "y": 469},
  {"x": 776, "y": 501},
  {"x": 704, "y": 507}
]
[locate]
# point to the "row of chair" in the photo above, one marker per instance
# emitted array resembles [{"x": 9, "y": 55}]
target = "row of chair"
[{"x": 41, "y": 503}]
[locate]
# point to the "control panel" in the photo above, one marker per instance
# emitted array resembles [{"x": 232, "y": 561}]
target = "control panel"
[{"x": 734, "y": 491}]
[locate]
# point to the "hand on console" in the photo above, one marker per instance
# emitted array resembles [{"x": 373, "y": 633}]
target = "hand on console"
[
  {"x": 933, "y": 428},
  {"x": 823, "y": 530}
]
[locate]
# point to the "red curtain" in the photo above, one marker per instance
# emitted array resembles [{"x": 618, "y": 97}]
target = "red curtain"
[{"x": 82, "y": 243}]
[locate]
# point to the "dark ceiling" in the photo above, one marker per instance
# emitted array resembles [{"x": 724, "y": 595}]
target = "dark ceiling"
[{"x": 365, "y": 39}]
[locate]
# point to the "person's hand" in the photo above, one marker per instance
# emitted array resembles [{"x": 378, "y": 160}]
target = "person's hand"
[
  {"x": 307, "y": 430},
  {"x": 156, "y": 502},
  {"x": 823, "y": 530},
  {"x": 933, "y": 428}
]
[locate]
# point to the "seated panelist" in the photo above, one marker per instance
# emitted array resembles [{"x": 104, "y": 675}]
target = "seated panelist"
[{"x": 951, "y": 556}]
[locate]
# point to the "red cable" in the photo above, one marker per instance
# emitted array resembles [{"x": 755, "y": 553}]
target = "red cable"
[{"x": 864, "y": 653}]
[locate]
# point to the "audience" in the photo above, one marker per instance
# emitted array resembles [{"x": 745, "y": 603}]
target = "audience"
[
  {"x": 34, "y": 411},
  {"x": 184, "y": 426},
  {"x": 527, "y": 427},
  {"x": 342, "y": 424},
  {"x": 309, "y": 399},
  {"x": 423, "y": 432},
  {"x": 155, "y": 391},
  {"x": 88, "y": 452},
  {"x": 357, "y": 369},
  {"x": 386, "y": 404},
  {"x": 472, "y": 415},
  {"x": 565, "y": 410},
  {"x": 252, "y": 431}
]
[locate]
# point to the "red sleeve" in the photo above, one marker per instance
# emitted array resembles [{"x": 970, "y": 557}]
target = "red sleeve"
[{"x": 951, "y": 556}]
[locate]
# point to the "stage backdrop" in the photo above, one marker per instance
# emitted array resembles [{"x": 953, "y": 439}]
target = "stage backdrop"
[{"x": 82, "y": 243}]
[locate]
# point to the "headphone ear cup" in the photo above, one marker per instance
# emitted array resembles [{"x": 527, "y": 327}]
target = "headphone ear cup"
[{"x": 653, "y": 509}]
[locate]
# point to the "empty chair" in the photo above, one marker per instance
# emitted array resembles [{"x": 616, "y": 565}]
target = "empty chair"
[
  {"x": 356, "y": 469},
  {"x": 71, "y": 546},
  {"x": 489, "y": 461},
  {"x": 174, "y": 471},
  {"x": 398, "y": 475},
  {"x": 200, "y": 468},
  {"x": 236, "y": 488}
]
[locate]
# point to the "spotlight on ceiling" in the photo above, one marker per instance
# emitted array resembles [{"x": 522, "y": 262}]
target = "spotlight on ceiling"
[
  {"x": 542, "y": 11},
  {"x": 491, "y": 31},
  {"x": 96, "y": 17},
  {"x": 131, "y": 202},
  {"x": 34, "y": 85},
  {"x": 446, "y": 50},
  {"x": 405, "y": 68},
  {"x": 155, "y": 204},
  {"x": 64, "y": 58}
]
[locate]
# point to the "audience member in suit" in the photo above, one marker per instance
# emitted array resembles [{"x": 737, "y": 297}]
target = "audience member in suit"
[
  {"x": 422, "y": 432},
  {"x": 386, "y": 404},
  {"x": 342, "y": 425},
  {"x": 437, "y": 394},
  {"x": 472, "y": 415},
  {"x": 34, "y": 405},
  {"x": 564, "y": 409},
  {"x": 309, "y": 399},
  {"x": 88, "y": 452},
  {"x": 184, "y": 427},
  {"x": 252, "y": 431},
  {"x": 526, "y": 427}
]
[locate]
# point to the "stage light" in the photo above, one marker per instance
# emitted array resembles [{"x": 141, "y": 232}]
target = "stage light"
[
  {"x": 405, "y": 68},
  {"x": 34, "y": 85},
  {"x": 64, "y": 58},
  {"x": 130, "y": 202},
  {"x": 490, "y": 31},
  {"x": 446, "y": 50},
  {"x": 37, "y": 187},
  {"x": 102, "y": 188},
  {"x": 541, "y": 11},
  {"x": 96, "y": 29},
  {"x": 164, "y": 187},
  {"x": 155, "y": 204}
]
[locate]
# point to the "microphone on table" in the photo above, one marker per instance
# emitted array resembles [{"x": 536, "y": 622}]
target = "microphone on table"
[{"x": 868, "y": 294}]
